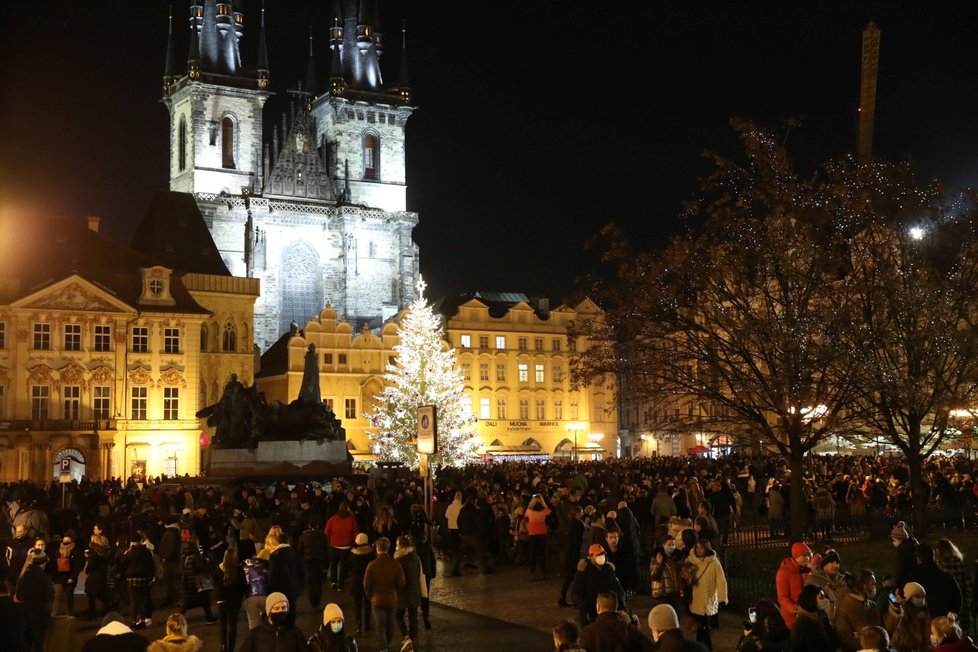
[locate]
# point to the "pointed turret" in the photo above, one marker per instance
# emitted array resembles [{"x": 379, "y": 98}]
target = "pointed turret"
[
  {"x": 336, "y": 81},
  {"x": 403, "y": 83},
  {"x": 262, "y": 66},
  {"x": 364, "y": 26},
  {"x": 169, "y": 70},
  {"x": 378, "y": 36},
  {"x": 311, "y": 86},
  {"x": 193, "y": 57}
]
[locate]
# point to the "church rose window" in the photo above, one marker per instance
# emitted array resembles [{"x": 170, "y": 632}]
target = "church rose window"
[{"x": 301, "y": 285}]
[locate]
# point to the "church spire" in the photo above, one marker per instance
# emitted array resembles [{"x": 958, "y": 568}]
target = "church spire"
[
  {"x": 311, "y": 86},
  {"x": 403, "y": 83},
  {"x": 169, "y": 70},
  {"x": 262, "y": 52},
  {"x": 193, "y": 58},
  {"x": 364, "y": 27},
  {"x": 336, "y": 81}
]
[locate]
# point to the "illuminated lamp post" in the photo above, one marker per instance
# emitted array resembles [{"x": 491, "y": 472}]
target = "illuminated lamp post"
[
  {"x": 596, "y": 437},
  {"x": 575, "y": 427}
]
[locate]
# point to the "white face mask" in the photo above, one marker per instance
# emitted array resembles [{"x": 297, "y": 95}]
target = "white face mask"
[
  {"x": 917, "y": 602},
  {"x": 669, "y": 549},
  {"x": 336, "y": 627},
  {"x": 896, "y": 543},
  {"x": 599, "y": 560}
]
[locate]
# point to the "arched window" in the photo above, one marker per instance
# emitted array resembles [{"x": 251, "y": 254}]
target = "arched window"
[
  {"x": 371, "y": 156},
  {"x": 182, "y": 144},
  {"x": 301, "y": 288},
  {"x": 203, "y": 338},
  {"x": 230, "y": 340},
  {"x": 227, "y": 142}
]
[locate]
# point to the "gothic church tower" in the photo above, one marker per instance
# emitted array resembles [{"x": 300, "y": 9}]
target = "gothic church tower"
[{"x": 318, "y": 214}]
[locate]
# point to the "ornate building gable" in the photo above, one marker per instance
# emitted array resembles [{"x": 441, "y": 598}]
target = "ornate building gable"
[
  {"x": 173, "y": 377},
  {"x": 301, "y": 168},
  {"x": 73, "y": 294}
]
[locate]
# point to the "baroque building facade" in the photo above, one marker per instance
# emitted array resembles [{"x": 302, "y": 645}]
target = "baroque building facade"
[
  {"x": 100, "y": 354},
  {"x": 318, "y": 213},
  {"x": 515, "y": 359}
]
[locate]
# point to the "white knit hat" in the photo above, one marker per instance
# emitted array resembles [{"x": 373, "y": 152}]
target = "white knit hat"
[{"x": 331, "y": 612}]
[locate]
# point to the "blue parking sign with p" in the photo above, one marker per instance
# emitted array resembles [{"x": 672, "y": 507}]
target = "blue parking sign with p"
[{"x": 65, "y": 464}]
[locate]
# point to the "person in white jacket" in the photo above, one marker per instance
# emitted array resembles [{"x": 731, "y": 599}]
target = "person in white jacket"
[{"x": 709, "y": 588}]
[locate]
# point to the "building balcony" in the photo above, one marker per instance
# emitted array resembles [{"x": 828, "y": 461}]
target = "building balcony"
[{"x": 60, "y": 425}]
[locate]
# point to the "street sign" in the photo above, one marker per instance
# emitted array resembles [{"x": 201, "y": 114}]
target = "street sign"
[
  {"x": 427, "y": 429},
  {"x": 65, "y": 478},
  {"x": 65, "y": 464}
]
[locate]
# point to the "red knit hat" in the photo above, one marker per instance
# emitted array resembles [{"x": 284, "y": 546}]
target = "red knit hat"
[
  {"x": 595, "y": 549},
  {"x": 799, "y": 549}
]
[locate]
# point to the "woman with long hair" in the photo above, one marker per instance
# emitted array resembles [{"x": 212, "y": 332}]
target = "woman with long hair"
[
  {"x": 948, "y": 558},
  {"x": 709, "y": 588},
  {"x": 946, "y": 635},
  {"x": 812, "y": 631},
  {"x": 230, "y": 587}
]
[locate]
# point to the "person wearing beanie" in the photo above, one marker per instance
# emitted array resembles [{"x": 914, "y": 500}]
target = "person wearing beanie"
[
  {"x": 277, "y": 631},
  {"x": 906, "y": 551},
  {"x": 943, "y": 593},
  {"x": 332, "y": 635},
  {"x": 827, "y": 577},
  {"x": 664, "y": 625},
  {"x": 909, "y": 620},
  {"x": 790, "y": 579},
  {"x": 613, "y": 629},
  {"x": 595, "y": 575},
  {"x": 176, "y": 639},
  {"x": 116, "y": 636},
  {"x": 360, "y": 556}
]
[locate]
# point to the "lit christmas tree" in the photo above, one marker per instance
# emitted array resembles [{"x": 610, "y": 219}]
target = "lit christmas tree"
[{"x": 424, "y": 373}]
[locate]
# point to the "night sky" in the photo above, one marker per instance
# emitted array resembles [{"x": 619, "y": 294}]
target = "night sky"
[{"x": 538, "y": 121}]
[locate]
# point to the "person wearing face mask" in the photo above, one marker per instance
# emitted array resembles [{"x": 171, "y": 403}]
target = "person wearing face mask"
[
  {"x": 331, "y": 635},
  {"x": 791, "y": 578},
  {"x": 16, "y": 554},
  {"x": 668, "y": 637},
  {"x": 594, "y": 575},
  {"x": 812, "y": 631},
  {"x": 827, "y": 577},
  {"x": 664, "y": 573},
  {"x": 946, "y": 635},
  {"x": 908, "y": 620},
  {"x": 906, "y": 550},
  {"x": 709, "y": 589},
  {"x": 856, "y": 610},
  {"x": 275, "y": 632}
]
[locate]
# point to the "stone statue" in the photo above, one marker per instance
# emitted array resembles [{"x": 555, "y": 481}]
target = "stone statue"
[
  {"x": 236, "y": 417},
  {"x": 309, "y": 391}
]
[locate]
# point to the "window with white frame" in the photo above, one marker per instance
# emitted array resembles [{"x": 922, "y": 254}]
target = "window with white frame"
[
  {"x": 40, "y": 401},
  {"x": 555, "y": 345},
  {"x": 73, "y": 336},
  {"x": 483, "y": 408},
  {"x": 466, "y": 371},
  {"x": 538, "y": 373},
  {"x": 340, "y": 358},
  {"x": 524, "y": 409},
  {"x": 500, "y": 408},
  {"x": 558, "y": 409},
  {"x": 483, "y": 371},
  {"x": 171, "y": 340},
  {"x": 328, "y": 402},
  {"x": 171, "y": 403},
  {"x": 71, "y": 395},
  {"x": 139, "y": 397},
  {"x": 103, "y": 337},
  {"x": 42, "y": 337},
  {"x": 523, "y": 344},
  {"x": 351, "y": 408},
  {"x": 572, "y": 344},
  {"x": 574, "y": 412},
  {"x": 483, "y": 341},
  {"x": 100, "y": 402},
  {"x": 538, "y": 344},
  {"x": 558, "y": 373},
  {"x": 500, "y": 341},
  {"x": 523, "y": 370},
  {"x": 541, "y": 409},
  {"x": 171, "y": 465},
  {"x": 501, "y": 371},
  {"x": 140, "y": 339},
  {"x": 465, "y": 341}
]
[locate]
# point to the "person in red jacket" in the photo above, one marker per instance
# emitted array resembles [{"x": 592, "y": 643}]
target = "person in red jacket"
[
  {"x": 341, "y": 530},
  {"x": 791, "y": 579}
]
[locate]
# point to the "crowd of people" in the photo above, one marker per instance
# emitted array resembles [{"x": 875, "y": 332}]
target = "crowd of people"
[{"x": 611, "y": 529}]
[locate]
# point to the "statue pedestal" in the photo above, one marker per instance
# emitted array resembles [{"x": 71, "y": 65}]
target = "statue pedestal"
[{"x": 281, "y": 459}]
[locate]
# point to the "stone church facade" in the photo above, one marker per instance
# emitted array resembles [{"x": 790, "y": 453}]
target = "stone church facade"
[{"x": 318, "y": 214}]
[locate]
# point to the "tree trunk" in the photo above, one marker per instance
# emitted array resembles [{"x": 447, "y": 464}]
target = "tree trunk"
[
  {"x": 797, "y": 496},
  {"x": 919, "y": 503}
]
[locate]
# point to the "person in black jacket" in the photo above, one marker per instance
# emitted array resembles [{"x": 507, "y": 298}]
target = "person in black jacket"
[
  {"x": 229, "y": 589},
  {"x": 613, "y": 629},
  {"x": 36, "y": 592},
  {"x": 284, "y": 571},
  {"x": 138, "y": 568},
  {"x": 14, "y": 622},
  {"x": 276, "y": 632},
  {"x": 943, "y": 592},
  {"x": 595, "y": 575},
  {"x": 664, "y": 625},
  {"x": 571, "y": 550},
  {"x": 196, "y": 580},
  {"x": 332, "y": 635},
  {"x": 96, "y": 577},
  {"x": 360, "y": 556},
  {"x": 312, "y": 552},
  {"x": 66, "y": 567},
  {"x": 169, "y": 553}
]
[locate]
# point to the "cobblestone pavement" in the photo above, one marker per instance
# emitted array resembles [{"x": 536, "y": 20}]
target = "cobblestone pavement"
[{"x": 474, "y": 612}]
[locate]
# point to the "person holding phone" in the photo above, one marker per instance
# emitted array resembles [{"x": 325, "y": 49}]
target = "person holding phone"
[
  {"x": 764, "y": 629},
  {"x": 536, "y": 515},
  {"x": 857, "y": 609}
]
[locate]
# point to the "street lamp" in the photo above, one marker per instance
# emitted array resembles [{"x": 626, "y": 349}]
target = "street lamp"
[{"x": 575, "y": 427}]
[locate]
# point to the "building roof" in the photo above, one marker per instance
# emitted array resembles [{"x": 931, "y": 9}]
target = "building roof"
[
  {"x": 499, "y": 303},
  {"x": 38, "y": 252},
  {"x": 174, "y": 233}
]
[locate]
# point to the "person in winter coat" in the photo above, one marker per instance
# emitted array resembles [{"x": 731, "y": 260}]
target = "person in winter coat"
[
  {"x": 571, "y": 546},
  {"x": 230, "y": 587},
  {"x": 276, "y": 632},
  {"x": 36, "y": 592},
  {"x": 138, "y": 568},
  {"x": 14, "y": 622},
  {"x": 630, "y": 546},
  {"x": 827, "y": 577},
  {"x": 312, "y": 552},
  {"x": 256, "y": 577},
  {"x": 948, "y": 558},
  {"x": 383, "y": 582},
  {"x": 96, "y": 576},
  {"x": 535, "y": 518},
  {"x": 116, "y": 636},
  {"x": 613, "y": 630},
  {"x": 332, "y": 635},
  {"x": 768, "y": 633},
  {"x": 906, "y": 551},
  {"x": 668, "y": 637},
  {"x": 409, "y": 600},
  {"x": 856, "y": 610},
  {"x": 595, "y": 575},
  {"x": 421, "y": 534},
  {"x": 196, "y": 580},
  {"x": 15, "y": 556},
  {"x": 285, "y": 571},
  {"x": 67, "y": 566},
  {"x": 176, "y": 639},
  {"x": 790, "y": 579},
  {"x": 360, "y": 556},
  {"x": 341, "y": 530},
  {"x": 812, "y": 631},
  {"x": 943, "y": 592},
  {"x": 908, "y": 621},
  {"x": 946, "y": 634},
  {"x": 567, "y": 636},
  {"x": 709, "y": 590},
  {"x": 664, "y": 573},
  {"x": 169, "y": 551}
]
